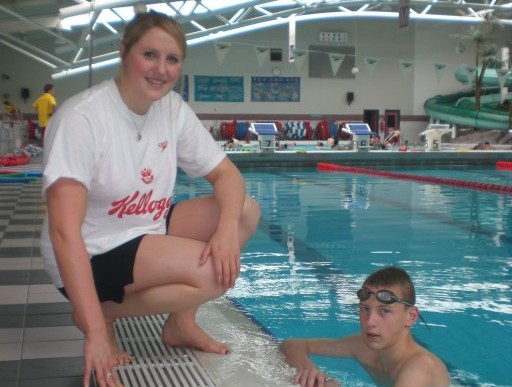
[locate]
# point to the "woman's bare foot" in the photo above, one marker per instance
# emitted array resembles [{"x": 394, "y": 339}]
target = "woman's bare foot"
[
  {"x": 186, "y": 332},
  {"x": 122, "y": 357}
]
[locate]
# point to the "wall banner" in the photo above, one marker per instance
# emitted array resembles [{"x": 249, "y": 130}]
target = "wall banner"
[
  {"x": 275, "y": 89},
  {"x": 218, "y": 89}
]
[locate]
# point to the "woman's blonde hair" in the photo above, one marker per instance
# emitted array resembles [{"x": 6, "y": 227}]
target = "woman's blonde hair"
[{"x": 143, "y": 22}]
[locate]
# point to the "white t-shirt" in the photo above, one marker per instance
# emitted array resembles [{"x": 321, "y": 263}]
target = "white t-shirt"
[{"x": 93, "y": 138}]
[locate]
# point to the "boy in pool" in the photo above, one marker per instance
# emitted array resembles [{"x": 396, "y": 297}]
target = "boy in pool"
[{"x": 385, "y": 347}]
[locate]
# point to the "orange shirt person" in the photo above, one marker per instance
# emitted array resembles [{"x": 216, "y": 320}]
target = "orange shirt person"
[{"x": 45, "y": 106}]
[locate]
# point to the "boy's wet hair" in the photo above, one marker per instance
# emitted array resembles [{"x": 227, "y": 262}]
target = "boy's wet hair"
[{"x": 390, "y": 276}]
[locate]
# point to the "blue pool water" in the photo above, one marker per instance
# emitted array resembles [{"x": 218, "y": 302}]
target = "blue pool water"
[{"x": 321, "y": 234}]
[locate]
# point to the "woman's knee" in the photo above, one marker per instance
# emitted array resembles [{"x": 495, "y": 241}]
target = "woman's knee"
[{"x": 250, "y": 214}]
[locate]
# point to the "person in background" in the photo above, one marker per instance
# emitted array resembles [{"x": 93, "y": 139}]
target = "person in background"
[
  {"x": 13, "y": 112},
  {"x": 337, "y": 146},
  {"x": 113, "y": 241},
  {"x": 376, "y": 143},
  {"x": 392, "y": 138},
  {"x": 232, "y": 143},
  {"x": 483, "y": 146},
  {"x": 9, "y": 108},
  {"x": 385, "y": 347},
  {"x": 45, "y": 107}
]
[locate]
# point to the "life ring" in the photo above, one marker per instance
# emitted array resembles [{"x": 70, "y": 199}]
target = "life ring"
[
  {"x": 227, "y": 129},
  {"x": 322, "y": 130}
]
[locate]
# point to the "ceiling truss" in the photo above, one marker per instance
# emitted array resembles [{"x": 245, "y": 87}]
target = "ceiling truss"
[{"x": 34, "y": 27}]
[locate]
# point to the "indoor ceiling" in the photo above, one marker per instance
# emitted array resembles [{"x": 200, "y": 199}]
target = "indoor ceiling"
[{"x": 57, "y": 32}]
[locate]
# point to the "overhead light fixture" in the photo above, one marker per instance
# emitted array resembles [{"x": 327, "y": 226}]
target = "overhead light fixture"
[
  {"x": 140, "y": 8},
  {"x": 87, "y": 7},
  {"x": 64, "y": 73},
  {"x": 236, "y": 31}
]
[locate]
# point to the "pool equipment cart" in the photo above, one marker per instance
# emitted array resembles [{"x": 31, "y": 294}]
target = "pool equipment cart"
[
  {"x": 360, "y": 135},
  {"x": 266, "y": 132},
  {"x": 433, "y": 135}
]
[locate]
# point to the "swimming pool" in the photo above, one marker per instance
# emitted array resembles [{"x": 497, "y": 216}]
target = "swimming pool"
[{"x": 321, "y": 234}]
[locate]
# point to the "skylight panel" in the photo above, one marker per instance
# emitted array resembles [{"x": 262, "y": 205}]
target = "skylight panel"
[
  {"x": 162, "y": 8},
  {"x": 107, "y": 16},
  {"x": 215, "y": 5}
]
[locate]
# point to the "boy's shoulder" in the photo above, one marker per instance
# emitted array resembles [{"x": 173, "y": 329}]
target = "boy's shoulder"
[{"x": 423, "y": 365}]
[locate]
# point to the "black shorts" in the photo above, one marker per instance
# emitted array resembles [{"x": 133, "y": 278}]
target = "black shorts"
[{"x": 113, "y": 270}]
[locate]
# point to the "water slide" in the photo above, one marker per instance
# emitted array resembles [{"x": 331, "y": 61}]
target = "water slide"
[{"x": 459, "y": 108}]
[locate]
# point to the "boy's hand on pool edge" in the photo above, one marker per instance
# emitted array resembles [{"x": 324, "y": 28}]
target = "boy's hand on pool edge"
[{"x": 313, "y": 377}]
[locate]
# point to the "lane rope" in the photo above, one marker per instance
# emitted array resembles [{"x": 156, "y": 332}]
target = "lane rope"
[{"x": 503, "y": 189}]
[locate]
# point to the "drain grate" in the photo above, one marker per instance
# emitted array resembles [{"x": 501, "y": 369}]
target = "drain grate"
[{"x": 155, "y": 364}]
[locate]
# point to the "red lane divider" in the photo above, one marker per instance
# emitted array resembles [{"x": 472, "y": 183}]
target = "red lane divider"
[
  {"x": 505, "y": 189},
  {"x": 504, "y": 165}
]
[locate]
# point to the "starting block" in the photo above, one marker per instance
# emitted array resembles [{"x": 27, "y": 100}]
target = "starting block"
[
  {"x": 433, "y": 135},
  {"x": 360, "y": 135},
  {"x": 266, "y": 132}
]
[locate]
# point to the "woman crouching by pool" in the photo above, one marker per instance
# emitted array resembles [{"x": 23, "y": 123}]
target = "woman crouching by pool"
[{"x": 112, "y": 241}]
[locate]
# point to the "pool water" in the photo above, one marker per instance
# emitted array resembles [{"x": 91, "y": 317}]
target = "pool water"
[{"x": 322, "y": 233}]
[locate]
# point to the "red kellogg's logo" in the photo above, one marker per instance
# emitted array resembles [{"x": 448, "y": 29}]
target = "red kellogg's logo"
[
  {"x": 138, "y": 204},
  {"x": 146, "y": 175}
]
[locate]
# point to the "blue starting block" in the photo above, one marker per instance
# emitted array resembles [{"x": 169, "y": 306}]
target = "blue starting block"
[
  {"x": 266, "y": 132},
  {"x": 360, "y": 135}
]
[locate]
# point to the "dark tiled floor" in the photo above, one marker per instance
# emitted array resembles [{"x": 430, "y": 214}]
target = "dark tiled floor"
[{"x": 39, "y": 346}]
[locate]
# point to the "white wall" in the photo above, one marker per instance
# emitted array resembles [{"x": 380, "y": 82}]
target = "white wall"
[
  {"x": 384, "y": 89},
  {"x": 424, "y": 44},
  {"x": 435, "y": 44},
  {"x": 24, "y": 72}
]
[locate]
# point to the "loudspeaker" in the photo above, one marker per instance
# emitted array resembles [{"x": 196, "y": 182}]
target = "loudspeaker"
[
  {"x": 350, "y": 97},
  {"x": 25, "y": 94}
]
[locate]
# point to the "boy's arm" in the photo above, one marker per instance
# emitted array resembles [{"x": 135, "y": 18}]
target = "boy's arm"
[{"x": 297, "y": 352}]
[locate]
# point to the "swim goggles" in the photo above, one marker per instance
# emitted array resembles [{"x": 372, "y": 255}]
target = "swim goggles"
[{"x": 386, "y": 297}]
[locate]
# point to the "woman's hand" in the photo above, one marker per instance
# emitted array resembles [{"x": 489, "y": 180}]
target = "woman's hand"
[
  {"x": 224, "y": 248},
  {"x": 100, "y": 358}
]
